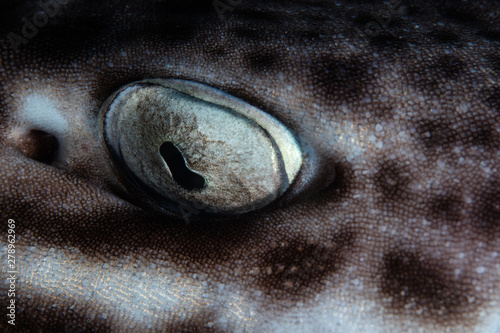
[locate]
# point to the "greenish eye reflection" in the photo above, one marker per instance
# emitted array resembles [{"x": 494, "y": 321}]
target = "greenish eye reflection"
[
  {"x": 186, "y": 143},
  {"x": 177, "y": 165}
]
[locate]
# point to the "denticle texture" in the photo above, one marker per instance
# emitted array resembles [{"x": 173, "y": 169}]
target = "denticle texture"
[{"x": 392, "y": 224}]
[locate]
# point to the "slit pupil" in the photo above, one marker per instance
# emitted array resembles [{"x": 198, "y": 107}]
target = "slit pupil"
[{"x": 177, "y": 165}]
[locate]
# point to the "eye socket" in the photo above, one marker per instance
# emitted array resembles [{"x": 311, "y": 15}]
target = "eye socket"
[{"x": 186, "y": 143}]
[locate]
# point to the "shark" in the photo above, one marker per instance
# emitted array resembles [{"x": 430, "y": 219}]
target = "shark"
[{"x": 390, "y": 221}]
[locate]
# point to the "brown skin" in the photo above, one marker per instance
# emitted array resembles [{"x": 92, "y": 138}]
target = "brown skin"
[{"x": 394, "y": 224}]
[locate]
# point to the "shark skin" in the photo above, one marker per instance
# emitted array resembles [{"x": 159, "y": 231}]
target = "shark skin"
[{"x": 392, "y": 225}]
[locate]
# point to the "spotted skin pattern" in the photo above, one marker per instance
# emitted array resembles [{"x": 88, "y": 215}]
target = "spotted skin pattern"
[{"x": 393, "y": 226}]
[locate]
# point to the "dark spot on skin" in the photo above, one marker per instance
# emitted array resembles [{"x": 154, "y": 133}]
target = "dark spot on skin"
[
  {"x": 483, "y": 136},
  {"x": 448, "y": 66},
  {"x": 340, "y": 80},
  {"x": 422, "y": 288},
  {"x": 392, "y": 181},
  {"x": 435, "y": 134},
  {"x": 296, "y": 270},
  {"x": 444, "y": 37},
  {"x": 445, "y": 209},
  {"x": 444, "y": 69},
  {"x": 486, "y": 213},
  {"x": 479, "y": 133},
  {"x": 439, "y": 134},
  {"x": 39, "y": 146}
]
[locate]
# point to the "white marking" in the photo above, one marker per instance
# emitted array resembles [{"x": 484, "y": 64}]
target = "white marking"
[
  {"x": 43, "y": 113},
  {"x": 129, "y": 295}
]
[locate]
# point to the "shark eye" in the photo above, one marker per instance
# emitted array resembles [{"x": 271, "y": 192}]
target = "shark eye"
[{"x": 185, "y": 143}]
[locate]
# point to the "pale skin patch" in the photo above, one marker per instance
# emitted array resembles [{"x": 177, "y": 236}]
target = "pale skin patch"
[{"x": 396, "y": 223}]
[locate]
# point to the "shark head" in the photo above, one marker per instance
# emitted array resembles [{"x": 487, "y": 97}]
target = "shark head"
[{"x": 384, "y": 218}]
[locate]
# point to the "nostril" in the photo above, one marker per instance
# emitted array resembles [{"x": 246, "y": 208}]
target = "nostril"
[{"x": 39, "y": 146}]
